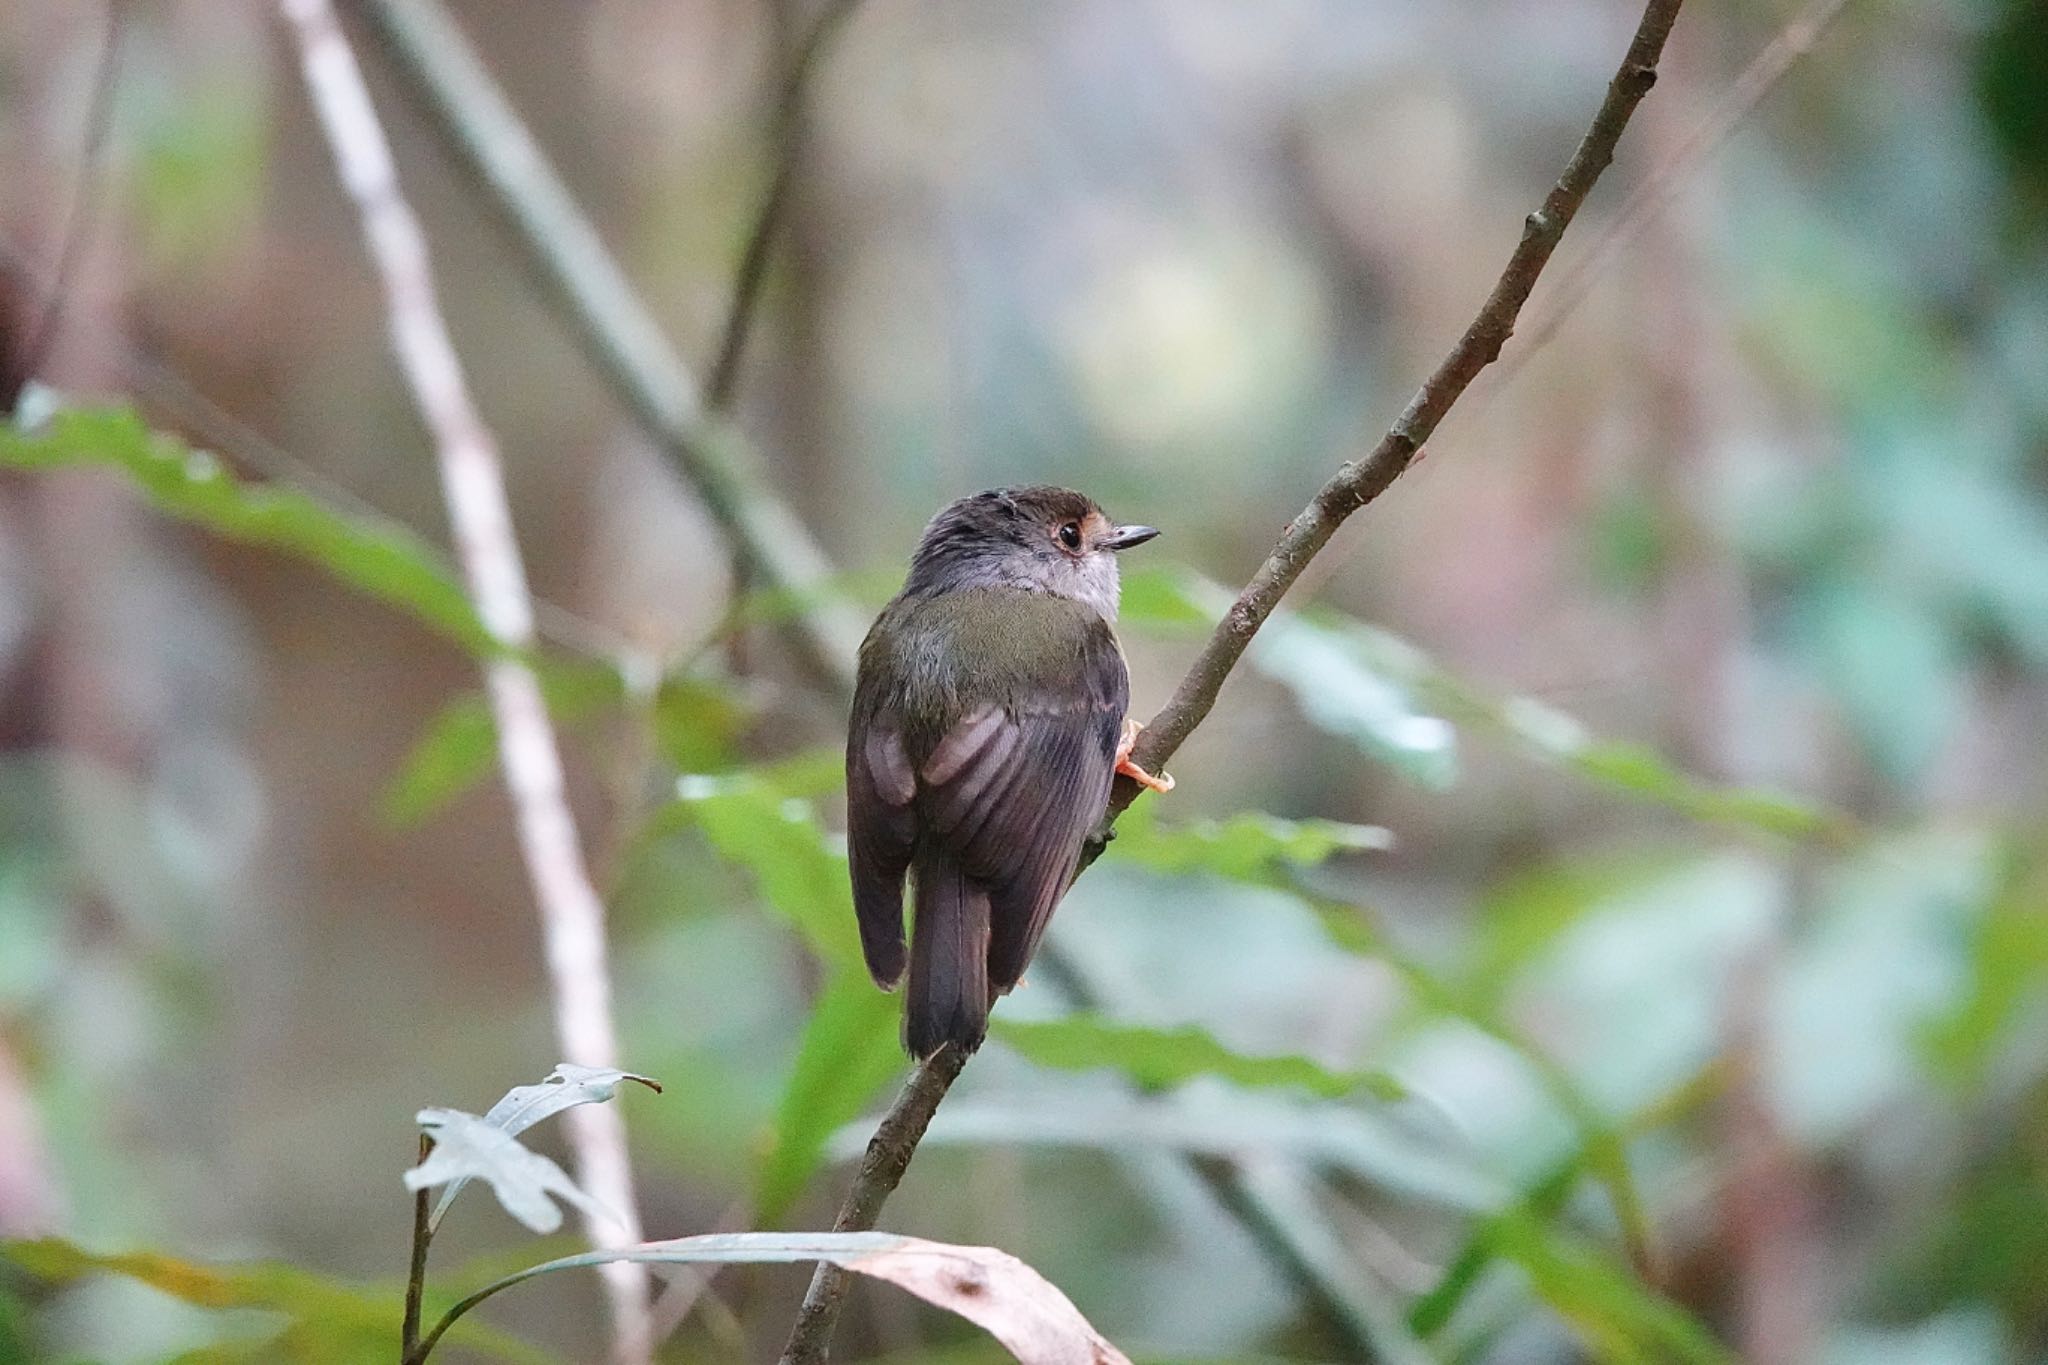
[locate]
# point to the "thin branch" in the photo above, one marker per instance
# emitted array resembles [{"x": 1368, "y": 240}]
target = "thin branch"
[
  {"x": 591, "y": 293},
  {"x": 881, "y": 1171},
  {"x": 1353, "y": 486},
  {"x": 475, "y": 119},
  {"x": 473, "y": 483},
  {"x": 786, "y": 137},
  {"x": 1649, "y": 199},
  {"x": 416, "y": 1270},
  {"x": 76, "y": 233},
  {"x": 1358, "y": 482}
]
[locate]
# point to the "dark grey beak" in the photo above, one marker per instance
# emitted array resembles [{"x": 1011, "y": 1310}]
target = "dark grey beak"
[{"x": 1124, "y": 537}]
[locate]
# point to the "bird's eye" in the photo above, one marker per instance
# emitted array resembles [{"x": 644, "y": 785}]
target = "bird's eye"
[{"x": 1070, "y": 535}]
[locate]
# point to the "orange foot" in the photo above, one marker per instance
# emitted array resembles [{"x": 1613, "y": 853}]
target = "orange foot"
[{"x": 1161, "y": 784}]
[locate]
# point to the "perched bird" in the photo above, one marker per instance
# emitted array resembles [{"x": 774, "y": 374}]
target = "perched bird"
[{"x": 988, "y": 722}]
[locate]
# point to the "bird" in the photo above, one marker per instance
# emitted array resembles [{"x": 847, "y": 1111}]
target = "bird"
[{"x": 988, "y": 723}]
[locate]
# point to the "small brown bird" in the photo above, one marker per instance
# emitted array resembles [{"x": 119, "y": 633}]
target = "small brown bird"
[{"x": 988, "y": 722}]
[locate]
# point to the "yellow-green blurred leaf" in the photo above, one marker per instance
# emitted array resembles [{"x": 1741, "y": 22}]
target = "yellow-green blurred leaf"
[{"x": 1160, "y": 1058}]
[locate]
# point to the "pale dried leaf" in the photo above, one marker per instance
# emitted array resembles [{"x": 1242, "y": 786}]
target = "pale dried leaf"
[
  {"x": 567, "y": 1086},
  {"x": 991, "y": 1289},
  {"x": 467, "y": 1147}
]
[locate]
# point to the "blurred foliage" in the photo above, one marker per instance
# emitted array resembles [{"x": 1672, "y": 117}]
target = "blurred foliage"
[{"x": 1694, "y": 684}]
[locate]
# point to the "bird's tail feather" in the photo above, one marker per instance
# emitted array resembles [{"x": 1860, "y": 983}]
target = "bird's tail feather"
[{"x": 948, "y": 999}]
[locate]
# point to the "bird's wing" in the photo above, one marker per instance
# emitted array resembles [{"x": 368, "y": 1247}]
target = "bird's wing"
[
  {"x": 881, "y": 826},
  {"x": 1014, "y": 787}
]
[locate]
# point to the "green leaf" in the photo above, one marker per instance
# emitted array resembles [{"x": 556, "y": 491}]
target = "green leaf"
[
  {"x": 2008, "y": 964},
  {"x": 1244, "y": 847},
  {"x": 1603, "y": 1150},
  {"x": 1162, "y": 599},
  {"x": 848, "y": 1053},
  {"x": 696, "y": 723},
  {"x": 751, "y": 820},
  {"x": 1400, "y": 705},
  {"x": 1619, "y": 1317},
  {"x": 1160, "y": 1058},
  {"x": 1546, "y": 1199},
  {"x": 1353, "y": 682},
  {"x": 331, "y": 1316},
  {"x": 381, "y": 560},
  {"x": 454, "y": 753},
  {"x": 848, "y": 1050},
  {"x": 459, "y": 747}
]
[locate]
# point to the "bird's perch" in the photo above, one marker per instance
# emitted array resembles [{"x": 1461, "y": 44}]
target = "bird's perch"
[{"x": 1353, "y": 486}]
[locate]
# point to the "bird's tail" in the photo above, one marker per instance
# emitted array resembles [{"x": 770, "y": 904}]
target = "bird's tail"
[{"x": 948, "y": 998}]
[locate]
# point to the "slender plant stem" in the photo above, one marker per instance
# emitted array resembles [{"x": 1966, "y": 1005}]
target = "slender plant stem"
[
  {"x": 1649, "y": 199},
  {"x": 881, "y": 1171},
  {"x": 1358, "y": 482},
  {"x": 76, "y": 232},
  {"x": 786, "y": 141},
  {"x": 586, "y": 285},
  {"x": 416, "y": 1272},
  {"x": 1351, "y": 488},
  {"x": 473, "y": 485},
  {"x": 591, "y": 293}
]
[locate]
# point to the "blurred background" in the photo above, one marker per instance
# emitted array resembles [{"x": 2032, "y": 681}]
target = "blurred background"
[{"x": 1697, "y": 677}]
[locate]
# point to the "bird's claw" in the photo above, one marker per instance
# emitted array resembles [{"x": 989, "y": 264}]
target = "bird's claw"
[{"x": 1162, "y": 784}]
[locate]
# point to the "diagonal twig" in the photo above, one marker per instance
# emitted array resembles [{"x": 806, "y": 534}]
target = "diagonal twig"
[
  {"x": 786, "y": 139},
  {"x": 473, "y": 483},
  {"x": 1351, "y": 488},
  {"x": 591, "y": 292},
  {"x": 564, "y": 252},
  {"x": 1654, "y": 195},
  {"x": 76, "y": 232}
]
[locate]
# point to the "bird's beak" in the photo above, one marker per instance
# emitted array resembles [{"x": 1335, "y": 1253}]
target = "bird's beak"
[{"x": 1124, "y": 537}]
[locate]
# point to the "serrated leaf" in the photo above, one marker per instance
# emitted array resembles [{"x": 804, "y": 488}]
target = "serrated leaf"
[
  {"x": 381, "y": 560},
  {"x": 334, "y": 1317},
  {"x": 1243, "y": 847},
  {"x": 567, "y": 1086},
  {"x": 527, "y": 1184},
  {"x": 1161, "y": 1058},
  {"x": 848, "y": 1053}
]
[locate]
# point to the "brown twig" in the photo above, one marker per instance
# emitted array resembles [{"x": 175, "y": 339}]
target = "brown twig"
[
  {"x": 881, "y": 1171},
  {"x": 591, "y": 293},
  {"x": 479, "y": 509},
  {"x": 1662, "y": 185},
  {"x": 76, "y": 233},
  {"x": 786, "y": 138},
  {"x": 1353, "y": 486},
  {"x": 1358, "y": 482},
  {"x": 416, "y": 1271}
]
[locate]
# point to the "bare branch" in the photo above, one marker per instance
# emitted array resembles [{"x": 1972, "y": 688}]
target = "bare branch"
[
  {"x": 786, "y": 138},
  {"x": 1662, "y": 185},
  {"x": 1353, "y": 486},
  {"x": 473, "y": 483},
  {"x": 881, "y": 1171},
  {"x": 591, "y": 293},
  {"x": 76, "y": 232},
  {"x": 1358, "y": 482}
]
